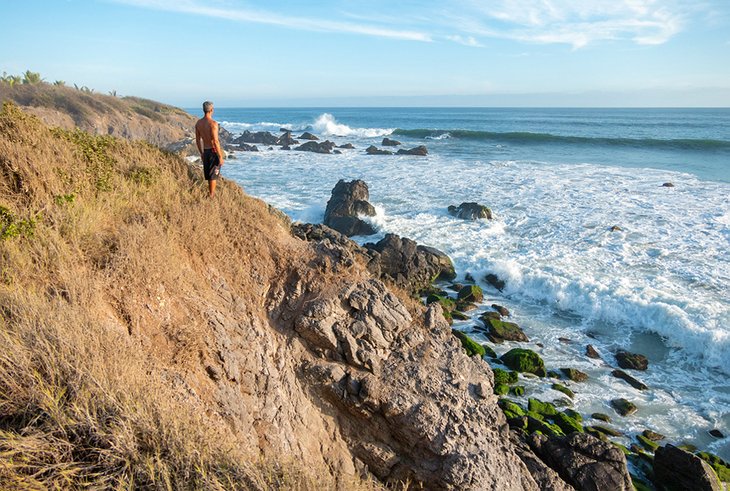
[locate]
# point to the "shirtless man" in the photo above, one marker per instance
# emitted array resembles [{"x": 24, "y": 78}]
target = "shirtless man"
[{"x": 206, "y": 129}]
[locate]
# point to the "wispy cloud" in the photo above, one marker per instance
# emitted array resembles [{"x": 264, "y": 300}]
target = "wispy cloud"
[
  {"x": 465, "y": 40},
  {"x": 271, "y": 18}
]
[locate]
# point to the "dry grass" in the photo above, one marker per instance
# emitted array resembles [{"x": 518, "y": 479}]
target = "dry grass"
[{"x": 98, "y": 314}]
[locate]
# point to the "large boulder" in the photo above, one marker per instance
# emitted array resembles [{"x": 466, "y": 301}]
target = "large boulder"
[
  {"x": 631, "y": 361},
  {"x": 287, "y": 139},
  {"x": 470, "y": 211},
  {"x": 675, "y": 469},
  {"x": 349, "y": 200},
  {"x": 500, "y": 331},
  {"x": 524, "y": 360},
  {"x": 316, "y": 147},
  {"x": 584, "y": 461},
  {"x": 308, "y": 136},
  {"x": 261, "y": 137},
  {"x": 387, "y": 142},
  {"x": 420, "y": 150},
  {"x": 409, "y": 265}
]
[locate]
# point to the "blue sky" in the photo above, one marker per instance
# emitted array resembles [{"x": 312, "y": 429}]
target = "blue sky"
[{"x": 446, "y": 52}]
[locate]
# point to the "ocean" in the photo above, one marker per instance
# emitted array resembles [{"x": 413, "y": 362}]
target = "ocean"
[{"x": 557, "y": 181}]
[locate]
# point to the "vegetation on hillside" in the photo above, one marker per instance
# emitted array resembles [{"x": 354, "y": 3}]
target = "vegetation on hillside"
[{"x": 104, "y": 258}]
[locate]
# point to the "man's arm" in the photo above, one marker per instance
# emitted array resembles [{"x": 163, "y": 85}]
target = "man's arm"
[
  {"x": 197, "y": 141},
  {"x": 216, "y": 144}
]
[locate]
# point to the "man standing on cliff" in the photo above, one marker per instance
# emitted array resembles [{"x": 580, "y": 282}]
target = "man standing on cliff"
[{"x": 206, "y": 129}]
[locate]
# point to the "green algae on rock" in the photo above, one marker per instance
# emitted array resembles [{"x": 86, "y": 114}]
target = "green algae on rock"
[
  {"x": 470, "y": 346},
  {"x": 524, "y": 360}
]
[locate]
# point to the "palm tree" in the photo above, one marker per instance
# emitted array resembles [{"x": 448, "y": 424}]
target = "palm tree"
[{"x": 32, "y": 78}]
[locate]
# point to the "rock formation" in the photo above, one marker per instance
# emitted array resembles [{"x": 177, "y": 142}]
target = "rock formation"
[
  {"x": 470, "y": 211},
  {"x": 349, "y": 200}
]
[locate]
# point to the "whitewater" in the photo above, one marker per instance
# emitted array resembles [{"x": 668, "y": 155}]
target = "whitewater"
[{"x": 557, "y": 181}]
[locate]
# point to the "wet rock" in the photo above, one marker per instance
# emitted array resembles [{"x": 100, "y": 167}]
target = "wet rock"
[
  {"x": 459, "y": 316},
  {"x": 574, "y": 374},
  {"x": 675, "y": 469},
  {"x": 420, "y": 151},
  {"x": 616, "y": 228},
  {"x": 517, "y": 390},
  {"x": 647, "y": 443},
  {"x": 623, "y": 406},
  {"x": 502, "y": 310},
  {"x": 464, "y": 306},
  {"x": 524, "y": 360},
  {"x": 245, "y": 147},
  {"x": 606, "y": 430},
  {"x": 470, "y": 211},
  {"x": 716, "y": 433},
  {"x": 565, "y": 340},
  {"x": 636, "y": 384},
  {"x": 541, "y": 408},
  {"x": 591, "y": 352},
  {"x": 347, "y": 146},
  {"x": 308, "y": 136},
  {"x": 504, "y": 377},
  {"x": 287, "y": 139},
  {"x": 471, "y": 293},
  {"x": 471, "y": 347},
  {"x": 584, "y": 461},
  {"x": 653, "y": 435},
  {"x": 387, "y": 142},
  {"x": 409, "y": 265},
  {"x": 316, "y": 147},
  {"x": 563, "y": 389},
  {"x": 348, "y": 201},
  {"x": 721, "y": 467},
  {"x": 285, "y": 147},
  {"x": 500, "y": 331},
  {"x": 493, "y": 280},
  {"x": 260, "y": 137},
  {"x": 668, "y": 185},
  {"x": 601, "y": 417},
  {"x": 373, "y": 150},
  {"x": 631, "y": 361},
  {"x": 447, "y": 304}
]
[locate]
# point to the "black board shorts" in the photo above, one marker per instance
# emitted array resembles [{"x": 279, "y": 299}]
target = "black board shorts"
[{"x": 211, "y": 165}]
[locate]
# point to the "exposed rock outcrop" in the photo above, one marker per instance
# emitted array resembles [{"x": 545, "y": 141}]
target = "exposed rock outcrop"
[
  {"x": 675, "y": 469},
  {"x": 308, "y": 136},
  {"x": 387, "y": 142},
  {"x": 373, "y": 150},
  {"x": 420, "y": 151},
  {"x": 470, "y": 211},
  {"x": 260, "y": 137},
  {"x": 349, "y": 200},
  {"x": 316, "y": 147}
]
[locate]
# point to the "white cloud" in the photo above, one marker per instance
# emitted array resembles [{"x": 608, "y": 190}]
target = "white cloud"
[
  {"x": 265, "y": 17},
  {"x": 465, "y": 40},
  {"x": 577, "y": 23}
]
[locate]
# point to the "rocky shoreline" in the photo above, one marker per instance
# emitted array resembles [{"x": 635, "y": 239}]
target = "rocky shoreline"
[{"x": 583, "y": 449}]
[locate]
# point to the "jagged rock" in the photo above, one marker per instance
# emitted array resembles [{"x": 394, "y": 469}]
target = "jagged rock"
[
  {"x": 287, "y": 139},
  {"x": 584, "y": 461},
  {"x": 470, "y": 211},
  {"x": 420, "y": 150},
  {"x": 653, "y": 435},
  {"x": 245, "y": 147},
  {"x": 524, "y": 360},
  {"x": 308, "y": 136},
  {"x": 260, "y": 137},
  {"x": 373, "y": 150},
  {"x": 675, "y": 469},
  {"x": 409, "y": 265},
  {"x": 720, "y": 466},
  {"x": 348, "y": 146},
  {"x": 601, "y": 417},
  {"x": 500, "y": 331},
  {"x": 493, "y": 280},
  {"x": 632, "y": 361},
  {"x": 387, "y": 142},
  {"x": 623, "y": 406},
  {"x": 547, "y": 479},
  {"x": 636, "y": 384},
  {"x": 616, "y": 228},
  {"x": 471, "y": 293},
  {"x": 348, "y": 201},
  {"x": 591, "y": 352},
  {"x": 316, "y": 147},
  {"x": 502, "y": 310},
  {"x": 574, "y": 374}
]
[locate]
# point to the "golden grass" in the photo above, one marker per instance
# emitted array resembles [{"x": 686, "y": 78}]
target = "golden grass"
[{"x": 99, "y": 311}]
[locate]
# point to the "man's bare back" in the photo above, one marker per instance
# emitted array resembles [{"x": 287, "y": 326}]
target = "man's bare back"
[{"x": 206, "y": 139}]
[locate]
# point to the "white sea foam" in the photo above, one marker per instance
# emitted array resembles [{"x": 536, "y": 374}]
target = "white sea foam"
[
  {"x": 327, "y": 125},
  {"x": 443, "y": 136},
  {"x": 237, "y": 128}
]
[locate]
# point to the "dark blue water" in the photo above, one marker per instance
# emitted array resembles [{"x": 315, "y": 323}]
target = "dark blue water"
[{"x": 695, "y": 141}]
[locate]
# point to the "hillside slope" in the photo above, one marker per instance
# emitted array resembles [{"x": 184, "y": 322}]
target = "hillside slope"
[
  {"x": 132, "y": 118},
  {"x": 156, "y": 338}
]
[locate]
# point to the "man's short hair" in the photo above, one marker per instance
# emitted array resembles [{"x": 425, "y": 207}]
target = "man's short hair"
[{"x": 207, "y": 107}]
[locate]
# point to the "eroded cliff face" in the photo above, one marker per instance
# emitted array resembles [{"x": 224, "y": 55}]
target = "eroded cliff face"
[{"x": 290, "y": 349}]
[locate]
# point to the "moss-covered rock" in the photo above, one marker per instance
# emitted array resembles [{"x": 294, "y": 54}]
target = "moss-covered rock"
[
  {"x": 632, "y": 361},
  {"x": 540, "y": 407},
  {"x": 553, "y": 374},
  {"x": 601, "y": 417},
  {"x": 489, "y": 351},
  {"x": 594, "y": 432},
  {"x": 508, "y": 406},
  {"x": 517, "y": 390},
  {"x": 638, "y": 483},
  {"x": 517, "y": 422},
  {"x": 574, "y": 414},
  {"x": 463, "y": 306},
  {"x": 623, "y": 406},
  {"x": 564, "y": 390},
  {"x": 500, "y": 331},
  {"x": 501, "y": 389},
  {"x": 524, "y": 360},
  {"x": 471, "y": 293},
  {"x": 646, "y": 443},
  {"x": 574, "y": 374},
  {"x": 653, "y": 435},
  {"x": 459, "y": 316},
  {"x": 470, "y": 346},
  {"x": 567, "y": 424},
  {"x": 606, "y": 430},
  {"x": 504, "y": 377},
  {"x": 721, "y": 467},
  {"x": 535, "y": 425},
  {"x": 448, "y": 304}
]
